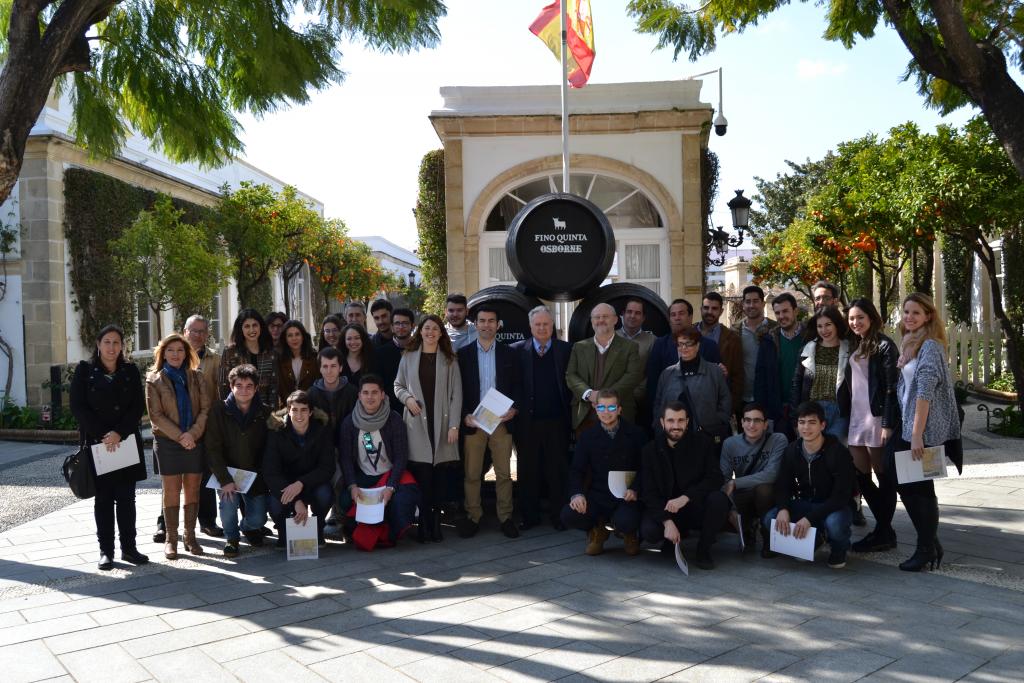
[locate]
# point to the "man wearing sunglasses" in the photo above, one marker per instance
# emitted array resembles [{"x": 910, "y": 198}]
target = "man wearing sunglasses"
[{"x": 612, "y": 445}]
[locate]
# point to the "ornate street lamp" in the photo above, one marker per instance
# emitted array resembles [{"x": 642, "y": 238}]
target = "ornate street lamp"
[
  {"x": 412, "y": 278},
  {"x": 722, "y": 241}
]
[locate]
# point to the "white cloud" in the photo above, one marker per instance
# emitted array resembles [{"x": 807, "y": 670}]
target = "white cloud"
[{"x": 807, "y": 69}]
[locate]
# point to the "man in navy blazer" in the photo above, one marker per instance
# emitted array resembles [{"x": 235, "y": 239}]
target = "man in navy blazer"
[
  {"x": 664, "y": 352},
  {"x": 543, "y": 421},
  {"x": 484, "y": 364}
]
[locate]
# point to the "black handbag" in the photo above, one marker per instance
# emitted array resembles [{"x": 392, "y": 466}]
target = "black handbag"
[{"x": 78, "y": 472}]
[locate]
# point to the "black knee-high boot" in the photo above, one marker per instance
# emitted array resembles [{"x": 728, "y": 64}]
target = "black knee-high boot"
[
  {"x": 882, "y": 501},
  {"x": 923, "y": 510}
]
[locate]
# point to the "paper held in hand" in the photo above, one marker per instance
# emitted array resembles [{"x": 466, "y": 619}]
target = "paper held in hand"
[
  {"x": 243, "y": 480},
  {"x": 619, "y": 481},
  {"x": 302, "y": 540},
  {"x": 800, "y": 548},
  {"x": 125, "y": 455},
  {"x": 492, "y": 406},
  {"x": 681, "y": 561},
  {"x": 370, "y": 505},
  {"x": 931, "y": 466}
]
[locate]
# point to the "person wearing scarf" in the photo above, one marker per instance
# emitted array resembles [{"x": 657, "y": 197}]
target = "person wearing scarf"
[
  {"x": 179, "y": 403},
  {"x": 374, "y": 449}
]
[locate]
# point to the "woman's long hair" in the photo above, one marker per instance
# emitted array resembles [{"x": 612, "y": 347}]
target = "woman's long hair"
[
  {"x": 306, "y": 351},
  {"x": 933, "y": 329},
  {"x": 104, "y": 331},
  {"x": 238, "y": 339},
  {"x": 833, "y": 314},
  {"x": 332, "y": 318},
  {"x": 159, "y": 360},
  {"x": 868, "y": 345},
  {"x": 444, "y": 342},
  {"x": 365, "y": 353}
]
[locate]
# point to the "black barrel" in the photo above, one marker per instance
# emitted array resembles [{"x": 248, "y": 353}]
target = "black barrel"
[
  {"x": 560, "y": 247},
  {"x": 617, "y": 294},
  {"x": 513, "y": 308}
]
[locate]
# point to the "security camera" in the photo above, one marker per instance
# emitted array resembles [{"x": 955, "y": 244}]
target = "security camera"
[{"x": 720, "y": 125}]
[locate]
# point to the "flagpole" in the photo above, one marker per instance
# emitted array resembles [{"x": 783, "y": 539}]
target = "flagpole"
[{"x": 565, "y": 98}]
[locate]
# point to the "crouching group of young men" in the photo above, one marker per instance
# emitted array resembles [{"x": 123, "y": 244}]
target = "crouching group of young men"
[{"x": 686, "y": 481}]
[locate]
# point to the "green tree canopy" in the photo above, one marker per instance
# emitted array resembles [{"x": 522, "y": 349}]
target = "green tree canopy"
[
  {"x": 177, "y": 72},
  {"x": 345, "y": 267}
]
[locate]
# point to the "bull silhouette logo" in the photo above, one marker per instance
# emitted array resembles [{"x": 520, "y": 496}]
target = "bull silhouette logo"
[{"x": 559, "y": 223}]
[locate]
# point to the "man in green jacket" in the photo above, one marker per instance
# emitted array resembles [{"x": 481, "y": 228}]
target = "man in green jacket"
[{"x": 236, "y": 433}]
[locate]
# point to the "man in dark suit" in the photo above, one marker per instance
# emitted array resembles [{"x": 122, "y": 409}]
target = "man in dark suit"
[
  {"x": 483, "y": 365},
  {"x": 729, "y": 345},
  {"x": 604, "y": 361},
  {"x": 543, "y": 422},
  {"x": 665, "y": 352}
]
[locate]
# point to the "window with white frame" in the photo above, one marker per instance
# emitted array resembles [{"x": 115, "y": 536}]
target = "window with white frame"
[
  {"x": 641, "y": 264},
  {"x": 214, "y": 322},
  {"x": 145, "y": 327},
  {"x": 498, "y": 271}
]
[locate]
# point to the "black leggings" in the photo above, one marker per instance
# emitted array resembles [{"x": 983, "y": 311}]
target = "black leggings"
[{"x": 114, "y": 500}]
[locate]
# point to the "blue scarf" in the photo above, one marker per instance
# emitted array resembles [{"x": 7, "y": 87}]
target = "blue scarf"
[{"x": 178, "y": 378}]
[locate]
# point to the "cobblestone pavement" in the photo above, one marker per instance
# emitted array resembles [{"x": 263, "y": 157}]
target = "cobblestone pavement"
[{"x": 534, "y": 608}]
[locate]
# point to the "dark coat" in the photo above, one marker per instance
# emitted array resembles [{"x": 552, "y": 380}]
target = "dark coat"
[
  {"x": 287, "y": 460},
  {"x": 335, "y": 404},
  {"x": 827, "y": 479},
  {"x": 396, "y": 447},
  {"x": 101, "y": 406},
  {"x": 234, "y": 440},
  {"x": 691, "y": 468},
  {"x": 665, "y": 353},
  {"x": 506, "y": 379},
  {"x": 386, "y": 358},
  {"x": 767, "y": 390},
  {"x": 524, "y": 349},
  {"x": 286, "y": 380},
  {"x": 883, "y": 375},
  {"x": 597, "y": 454}
]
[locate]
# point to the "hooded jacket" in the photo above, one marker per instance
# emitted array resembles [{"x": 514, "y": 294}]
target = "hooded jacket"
[{"x": 289, "y": 457}]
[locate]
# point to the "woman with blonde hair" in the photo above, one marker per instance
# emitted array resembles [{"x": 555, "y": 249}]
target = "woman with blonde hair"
[
  {"x": 930, "y": 418},
  {"x": 178, "y": 402},
  {"x": 430, "y": 386}
]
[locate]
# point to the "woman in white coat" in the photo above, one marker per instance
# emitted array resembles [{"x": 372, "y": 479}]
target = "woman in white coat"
[{"x": 429, "y": 385}]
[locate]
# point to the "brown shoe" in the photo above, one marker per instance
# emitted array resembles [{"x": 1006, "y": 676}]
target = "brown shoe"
[
  {"x": 595, "y": 540},
  {"x": 191, "y": 544},
  {"x": 171, "y": 538},
  {"x": 631, "y": 544}
]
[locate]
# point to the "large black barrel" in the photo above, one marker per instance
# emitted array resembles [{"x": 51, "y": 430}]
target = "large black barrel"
[
  {"x": 513, "y": 307},
  {"x": 560, "y": 247},
  {"x": 617, "y": 294}
]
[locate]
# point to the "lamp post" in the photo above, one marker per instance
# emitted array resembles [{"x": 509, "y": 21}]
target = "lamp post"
[
  {"x": 412, "y": 278},
  {"x": 722, "y": 241}
]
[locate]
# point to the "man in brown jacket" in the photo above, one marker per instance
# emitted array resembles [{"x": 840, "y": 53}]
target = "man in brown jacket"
[{"x": 730, "y": 346}]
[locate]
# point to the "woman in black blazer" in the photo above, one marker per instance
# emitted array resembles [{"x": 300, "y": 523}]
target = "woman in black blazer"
[{"x": 108, "y": 402}]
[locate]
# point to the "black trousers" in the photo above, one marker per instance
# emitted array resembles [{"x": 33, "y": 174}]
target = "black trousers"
[
  {"x": 208, "y": 504},
  {"x": 114, "y": 500},
  {"x": 624, "y": 517},
  {"x": 708, "y": 515},
  {"x": 542, "y": 457},
  {"x": 920, "y": 501},
  {"x": 753, "y": 503}
]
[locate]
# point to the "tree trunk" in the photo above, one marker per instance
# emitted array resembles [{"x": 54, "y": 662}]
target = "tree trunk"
[{"x": 1014, "y": 342}]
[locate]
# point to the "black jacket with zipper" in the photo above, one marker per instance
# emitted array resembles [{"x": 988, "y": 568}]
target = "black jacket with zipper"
[
  {"x": 882, "y": 378},
  {"x": 828, "y": 478}
]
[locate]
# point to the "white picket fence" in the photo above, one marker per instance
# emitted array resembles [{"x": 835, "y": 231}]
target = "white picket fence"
[{"x": 975, "y": 355}]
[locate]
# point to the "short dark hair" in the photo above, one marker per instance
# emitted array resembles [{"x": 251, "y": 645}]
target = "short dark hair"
[
  {"x": 808, "y": 408},
  {"x": 785, "y": 298},
  {"x": 827, "y": 285},
  {"x": 298, "y": 396},
  {"x": 405, "y": 313},
  {"x": 753, "y": 289},
  {"x": 675, "y": 406},
  {"x": 689, "y": 332},
  {"x": 244, "y": 371},
  {"x": 833, "y": 314},
  {"x": 456, "y": 299},
  {"x": 276, "y": 315},
  {"x": 381, "y": 304},
  {"x": 371, "y": 378},
  {"x": 329, "y": 353},
  {"x": 635, "y": 300},
  {"x": 754, "y": 405},
  {"x": 487, "y": 308},
  {"x": 608, "y": 393},
  {"x": 688, "y": 305},
  {"x": 714, "y": 296}
]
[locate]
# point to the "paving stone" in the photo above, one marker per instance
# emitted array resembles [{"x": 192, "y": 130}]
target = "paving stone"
[
  {"x": 407, "y": 650},
  {"x": 523, "y": 618},
  {"x": 216, "y": 612},
  {"x": 505, "y": 647},
  {"x": 593, "y": 629},
  {"x": 739, "y": 664},
  {"x": 357, "y": 666},
  {"x": 106, "y": 664},
  {"x": 30, "y": 601},
  {"x": 183, "y": 638},
  {"x": 310, "y": 651},
  {"x": 28, "y": 662},
  {"x": 935, "y": 664},
  {"x": 445, "y": 669},
  {"x": 835, "y": 665},
  {"x": 42, "y": 629},
  {"x": 66, "y": 609},
  {"x": 273, "y": 666},
  {"x": 1002, "y": 669},
  {"x": 186, "y": 665},
  {"x": 106, "y": 635},
  {"x": 117, "y": 615},
  {"x": 553, "y": 664},
  {"x": 650, "y": 664}
]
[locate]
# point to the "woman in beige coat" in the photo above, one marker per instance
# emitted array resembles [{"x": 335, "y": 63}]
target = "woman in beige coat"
[
  {"x": 429, "y": 385},
  {"x": 178, "y": 401}
]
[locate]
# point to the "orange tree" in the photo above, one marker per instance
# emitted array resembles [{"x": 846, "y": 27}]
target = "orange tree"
[{"x": 345, "y": 267}]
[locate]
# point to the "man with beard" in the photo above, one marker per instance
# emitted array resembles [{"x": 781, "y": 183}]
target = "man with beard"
[{"x": 729, "y": 345}]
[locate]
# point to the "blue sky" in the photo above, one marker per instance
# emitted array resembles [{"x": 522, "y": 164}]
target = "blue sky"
[{"x": 789, "y": 94}]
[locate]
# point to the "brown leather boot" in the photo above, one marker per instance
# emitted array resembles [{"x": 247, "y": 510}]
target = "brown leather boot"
[
  {"x": 171, "y": 540},
  {"x": 191, "y": 544},
  {"x": 595, "y": 540},
  {"x": 631, "y": 543}
]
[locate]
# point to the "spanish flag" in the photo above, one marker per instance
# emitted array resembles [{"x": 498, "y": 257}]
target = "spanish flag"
[{"x": 579, "y": 36}]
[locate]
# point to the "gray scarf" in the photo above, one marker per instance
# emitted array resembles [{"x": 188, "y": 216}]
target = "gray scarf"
[{"x": 371, "y": 423}]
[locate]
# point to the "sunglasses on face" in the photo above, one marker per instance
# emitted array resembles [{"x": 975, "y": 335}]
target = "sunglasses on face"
[{"x": 603, "y": 408}]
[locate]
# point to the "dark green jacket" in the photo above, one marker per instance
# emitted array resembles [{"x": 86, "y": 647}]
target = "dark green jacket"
[{"x": 236, "y": 441}]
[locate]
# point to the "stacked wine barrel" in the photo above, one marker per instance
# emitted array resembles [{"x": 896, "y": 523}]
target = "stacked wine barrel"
[{"x": 560, "y": 247}]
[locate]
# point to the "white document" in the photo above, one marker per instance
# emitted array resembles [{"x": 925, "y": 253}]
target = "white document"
[
  {"x": 302, "y": 540},
  {"x": 800, "y": 548},
  {"x": 370, "y": 505},
  {"x": 492, "y": 406},
  {"x": 681, "y": 561},
  {"x": 125, "y": 455},
  {"x": 243, "y": 479},
  {"x": 931, "y": 466},
  {"x": 619, "y": 481}
]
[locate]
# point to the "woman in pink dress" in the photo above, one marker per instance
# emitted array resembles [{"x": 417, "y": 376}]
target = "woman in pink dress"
[{"x": 868, "y": 397}]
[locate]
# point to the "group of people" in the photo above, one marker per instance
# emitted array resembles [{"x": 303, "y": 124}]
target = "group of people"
[{"x": 620, "y": 432}]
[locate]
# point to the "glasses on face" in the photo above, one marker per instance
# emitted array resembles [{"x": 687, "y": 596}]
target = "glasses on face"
[
  {"x": 604, "y": 408},
  {"x": 198, "y": 333},
  {"x": 686, "y": 344},
  {"x": 753, "y": 420}
]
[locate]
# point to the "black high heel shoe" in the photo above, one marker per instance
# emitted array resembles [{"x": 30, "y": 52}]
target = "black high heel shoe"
[{"x": 923, "y": 555}]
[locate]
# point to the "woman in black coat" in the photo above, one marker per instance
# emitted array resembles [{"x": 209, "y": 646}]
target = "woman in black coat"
[{"x": 108, "y": 402}]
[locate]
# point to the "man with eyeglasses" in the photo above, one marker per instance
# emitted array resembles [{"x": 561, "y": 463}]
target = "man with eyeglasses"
[
  {"x": 825, "y": 294},
  {"x": 612, "y": 445},
  {"x": 373, "y": 450},
  {"x": 682, "y": 484},
  {"x": 750, "y": 463},
  {"x": 387, "y": 356}
]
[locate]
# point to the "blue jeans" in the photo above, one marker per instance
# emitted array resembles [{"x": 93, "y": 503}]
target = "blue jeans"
[
  {"x": 836, "y": 425},
  {"x": 255, "y": 513},
  {"x": 837, "y": 525},
  {"x": 319, "y": 499}
]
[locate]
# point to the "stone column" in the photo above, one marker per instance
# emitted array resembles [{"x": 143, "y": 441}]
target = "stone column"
[
  {"x": 455, "y": 222},
  {"x": 688, "y": 268}
]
